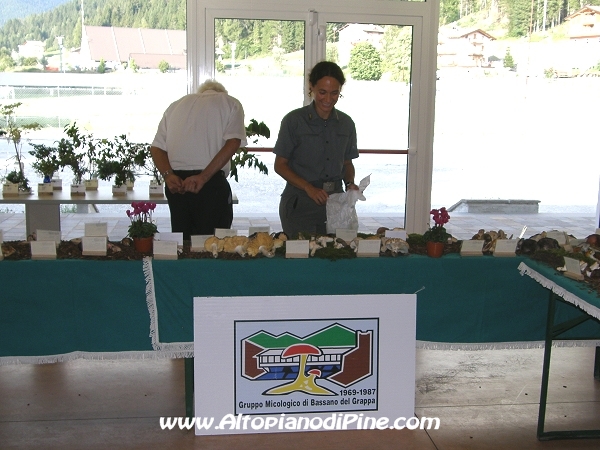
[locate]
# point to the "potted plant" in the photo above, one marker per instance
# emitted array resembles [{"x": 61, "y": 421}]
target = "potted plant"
[
  {"x": 243, "y": 157},
  {"x": 437, "y": 236},
  {"x": 142, "y": 228},
  {"x": 13, "y": 132},
  {"x": 143, "y": 161},
  {"x": 72, "y": 153},
  {"x": 115, "y": 158},
  {"x": 46, "y": 164}
]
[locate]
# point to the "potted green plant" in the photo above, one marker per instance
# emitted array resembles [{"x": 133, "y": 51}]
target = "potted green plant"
[
  {"x": 437, "y": 236},
  {"x": 72, "y": 153},
  {"x": 46, "y": 164},
  {"x": 243, "y": 157},
  {"x": 143, "y": 161},
  {"x": 13, "y": 132},
  {"x": 116, "y": 159},
  {"x": 142, "y": 228}
]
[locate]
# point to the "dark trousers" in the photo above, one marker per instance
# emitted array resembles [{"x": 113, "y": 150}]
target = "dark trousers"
[{"x": 199, "y": 214}]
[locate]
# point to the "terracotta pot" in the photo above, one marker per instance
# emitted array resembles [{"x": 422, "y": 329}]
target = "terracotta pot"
[
  {"x": 435, "y": 249},
  {"x": 144, "y": 244}
]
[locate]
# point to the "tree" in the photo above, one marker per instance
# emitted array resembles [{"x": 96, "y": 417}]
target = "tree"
[
  {"x": 163, "y": 66},
  {"x": 396, "y": 52},
  {"x": 365, "y": 62},
  {"x": 102, "y": 66},
  {"x": 509, "y": 60}
]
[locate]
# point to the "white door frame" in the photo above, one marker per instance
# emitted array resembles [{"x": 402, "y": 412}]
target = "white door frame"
[{"x": 424, "y": 16}]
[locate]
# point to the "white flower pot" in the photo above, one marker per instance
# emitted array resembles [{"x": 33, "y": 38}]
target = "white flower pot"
[
  {"x": 119, "y": 190},
  {"x": 129, "y": 185},
  {"x": 9, "y": 189},
  {"x": 156, "y": 190},
  {"x": 78, "y": 189},
  {"x": 57, "y": 184},
  {"x": 91, "y": 185},
  {"x": 45, "y": 189}
]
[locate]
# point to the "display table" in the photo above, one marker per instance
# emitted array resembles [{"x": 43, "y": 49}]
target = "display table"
[
  {"x": 563, "y": 291},
  {"x": 65, "y": 309},
  {"x": 42, "y": 212}
]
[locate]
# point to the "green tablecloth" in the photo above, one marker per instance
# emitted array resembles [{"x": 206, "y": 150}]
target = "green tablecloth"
[{"x": 56, "y": 310}]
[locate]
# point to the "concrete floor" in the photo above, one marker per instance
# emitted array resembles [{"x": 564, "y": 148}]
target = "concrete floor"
[{"x": 484, "y": 399}]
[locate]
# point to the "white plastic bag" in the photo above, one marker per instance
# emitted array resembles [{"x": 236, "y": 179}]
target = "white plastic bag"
[{"x": 341, "y": 208}]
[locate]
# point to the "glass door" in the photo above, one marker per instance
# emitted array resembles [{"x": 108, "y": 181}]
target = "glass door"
[{"x": 263, "y": 58}]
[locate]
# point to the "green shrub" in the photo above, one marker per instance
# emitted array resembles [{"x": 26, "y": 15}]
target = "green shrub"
[{"x": 365, "y": 62}]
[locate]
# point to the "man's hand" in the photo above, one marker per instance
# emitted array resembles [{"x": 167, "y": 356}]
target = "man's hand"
[
  {"x": 193, "y": 184},
  {"x": 174, "y": 183}
]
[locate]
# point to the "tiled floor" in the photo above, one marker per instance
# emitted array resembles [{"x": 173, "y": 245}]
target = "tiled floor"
[
  {"x": 461, "y": 225},
  {"x": 484, "y": 400}
]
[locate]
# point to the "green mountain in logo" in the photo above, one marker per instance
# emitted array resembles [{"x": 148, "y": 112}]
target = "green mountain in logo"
[{"x": 335, "y": 335}]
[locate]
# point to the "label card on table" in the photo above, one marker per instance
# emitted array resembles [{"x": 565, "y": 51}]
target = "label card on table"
[
  {"x": 94, "y": 245},
  {"x": 260, "y": 229},
  {"x": 345, "y": 234},
  {"x": 296, "y": 249},
  {"x": 472, "y": 248},
  {"x": 224, "y": 232},
  {"x": 165, "y": 249},
  {"x": 43, "y": 250},
  {"x": 573, "y": 267},
  {"x": 368, "y": 248},
  {"x": 506, "y": 247},
  {"x": 176, "y": 237},
  {"x": 198, "y": 242},
  {"x": 396, "y": 234},
  {"x": 96, "y": 229},
  {"x": 48, "y": 235}
]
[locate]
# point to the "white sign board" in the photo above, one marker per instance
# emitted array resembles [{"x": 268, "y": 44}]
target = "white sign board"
[
  {"x": 165, "y": 249},
  {"x": 96, "y": 229},
  {"x": 198, "y": 242},
  {"x": 43, "y": 250},
  {"x": 396, "y": 234},
  {"x": 94, "y": 245},
  {"x": 296, "y": 248},
  {"x": 345, "y": 234},
  {"x": 472, "y": 248},
  {"x": 177, "y": 237},
  {"x": 303, "y": 360},
  {"x": 259, "y": 229},
  {"x": 225, "y": 232},
  {"x": 48, "y": 235}
]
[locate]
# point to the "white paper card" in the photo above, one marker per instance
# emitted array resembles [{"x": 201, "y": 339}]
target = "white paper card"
[
  {"x": 261, "y": 229},
  {"x": 368, "y": 248},
  {"x": 165, "y": 249},
  {"x": 560, "y": 236},
  {"x": 198, "y": 242},
  {"x": 176, "y": 237},
  {"x": 224, "y": 232},
  {"x": 345, "y": 234},
  {"x": 45, "y": 189},
  {"x": 43, "y": 250},
  {"x": 472, "y": 248},
  {"x": 396, "y": 234},
  {"x": 48, "y": 235},
  {"x": 573, "y": 265},
  {"x": 96, "y": 229},
  {"x": 94, "y": 245},
  {"x": 296, "y": 249},
  {"x": 506, "y": 247}
]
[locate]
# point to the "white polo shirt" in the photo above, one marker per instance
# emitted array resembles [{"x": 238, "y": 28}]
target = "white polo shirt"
[{"x": 194, "y": 128}]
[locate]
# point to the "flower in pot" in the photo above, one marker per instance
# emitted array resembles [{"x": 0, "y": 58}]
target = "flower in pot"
[
  {"x": 144, "y": 163},
  {"x": 116, "y": 158},
  {"x": 13, "y": 132},
  {"x": 46, "y": 161},
  {"x": 142, "y": 228},
  {"x": 437, "y": 236},
  {"x": 73, "y": 153}
]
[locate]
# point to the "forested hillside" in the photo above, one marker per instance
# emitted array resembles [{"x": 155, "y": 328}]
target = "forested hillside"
[
  {"x": 519, "y": 17},
  {"x": 11, "y": 9},
  {"x": 65, "y": 20}
]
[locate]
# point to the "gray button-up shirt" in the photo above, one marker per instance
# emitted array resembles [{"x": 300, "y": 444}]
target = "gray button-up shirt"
[{"x": 316, "y": 148}]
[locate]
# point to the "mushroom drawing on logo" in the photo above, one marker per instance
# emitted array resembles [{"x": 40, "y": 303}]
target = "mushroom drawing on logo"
[{"x": 304, "y": 382}]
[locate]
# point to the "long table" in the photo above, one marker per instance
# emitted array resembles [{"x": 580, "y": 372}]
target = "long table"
[
  {"x": 42, "y": 211},
  {"x": 563, "y": 290},
  {"x": 65, "y": 309}
]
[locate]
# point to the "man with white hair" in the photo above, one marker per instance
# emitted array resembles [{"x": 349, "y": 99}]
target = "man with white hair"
[{"x": 195, "y": 141}]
